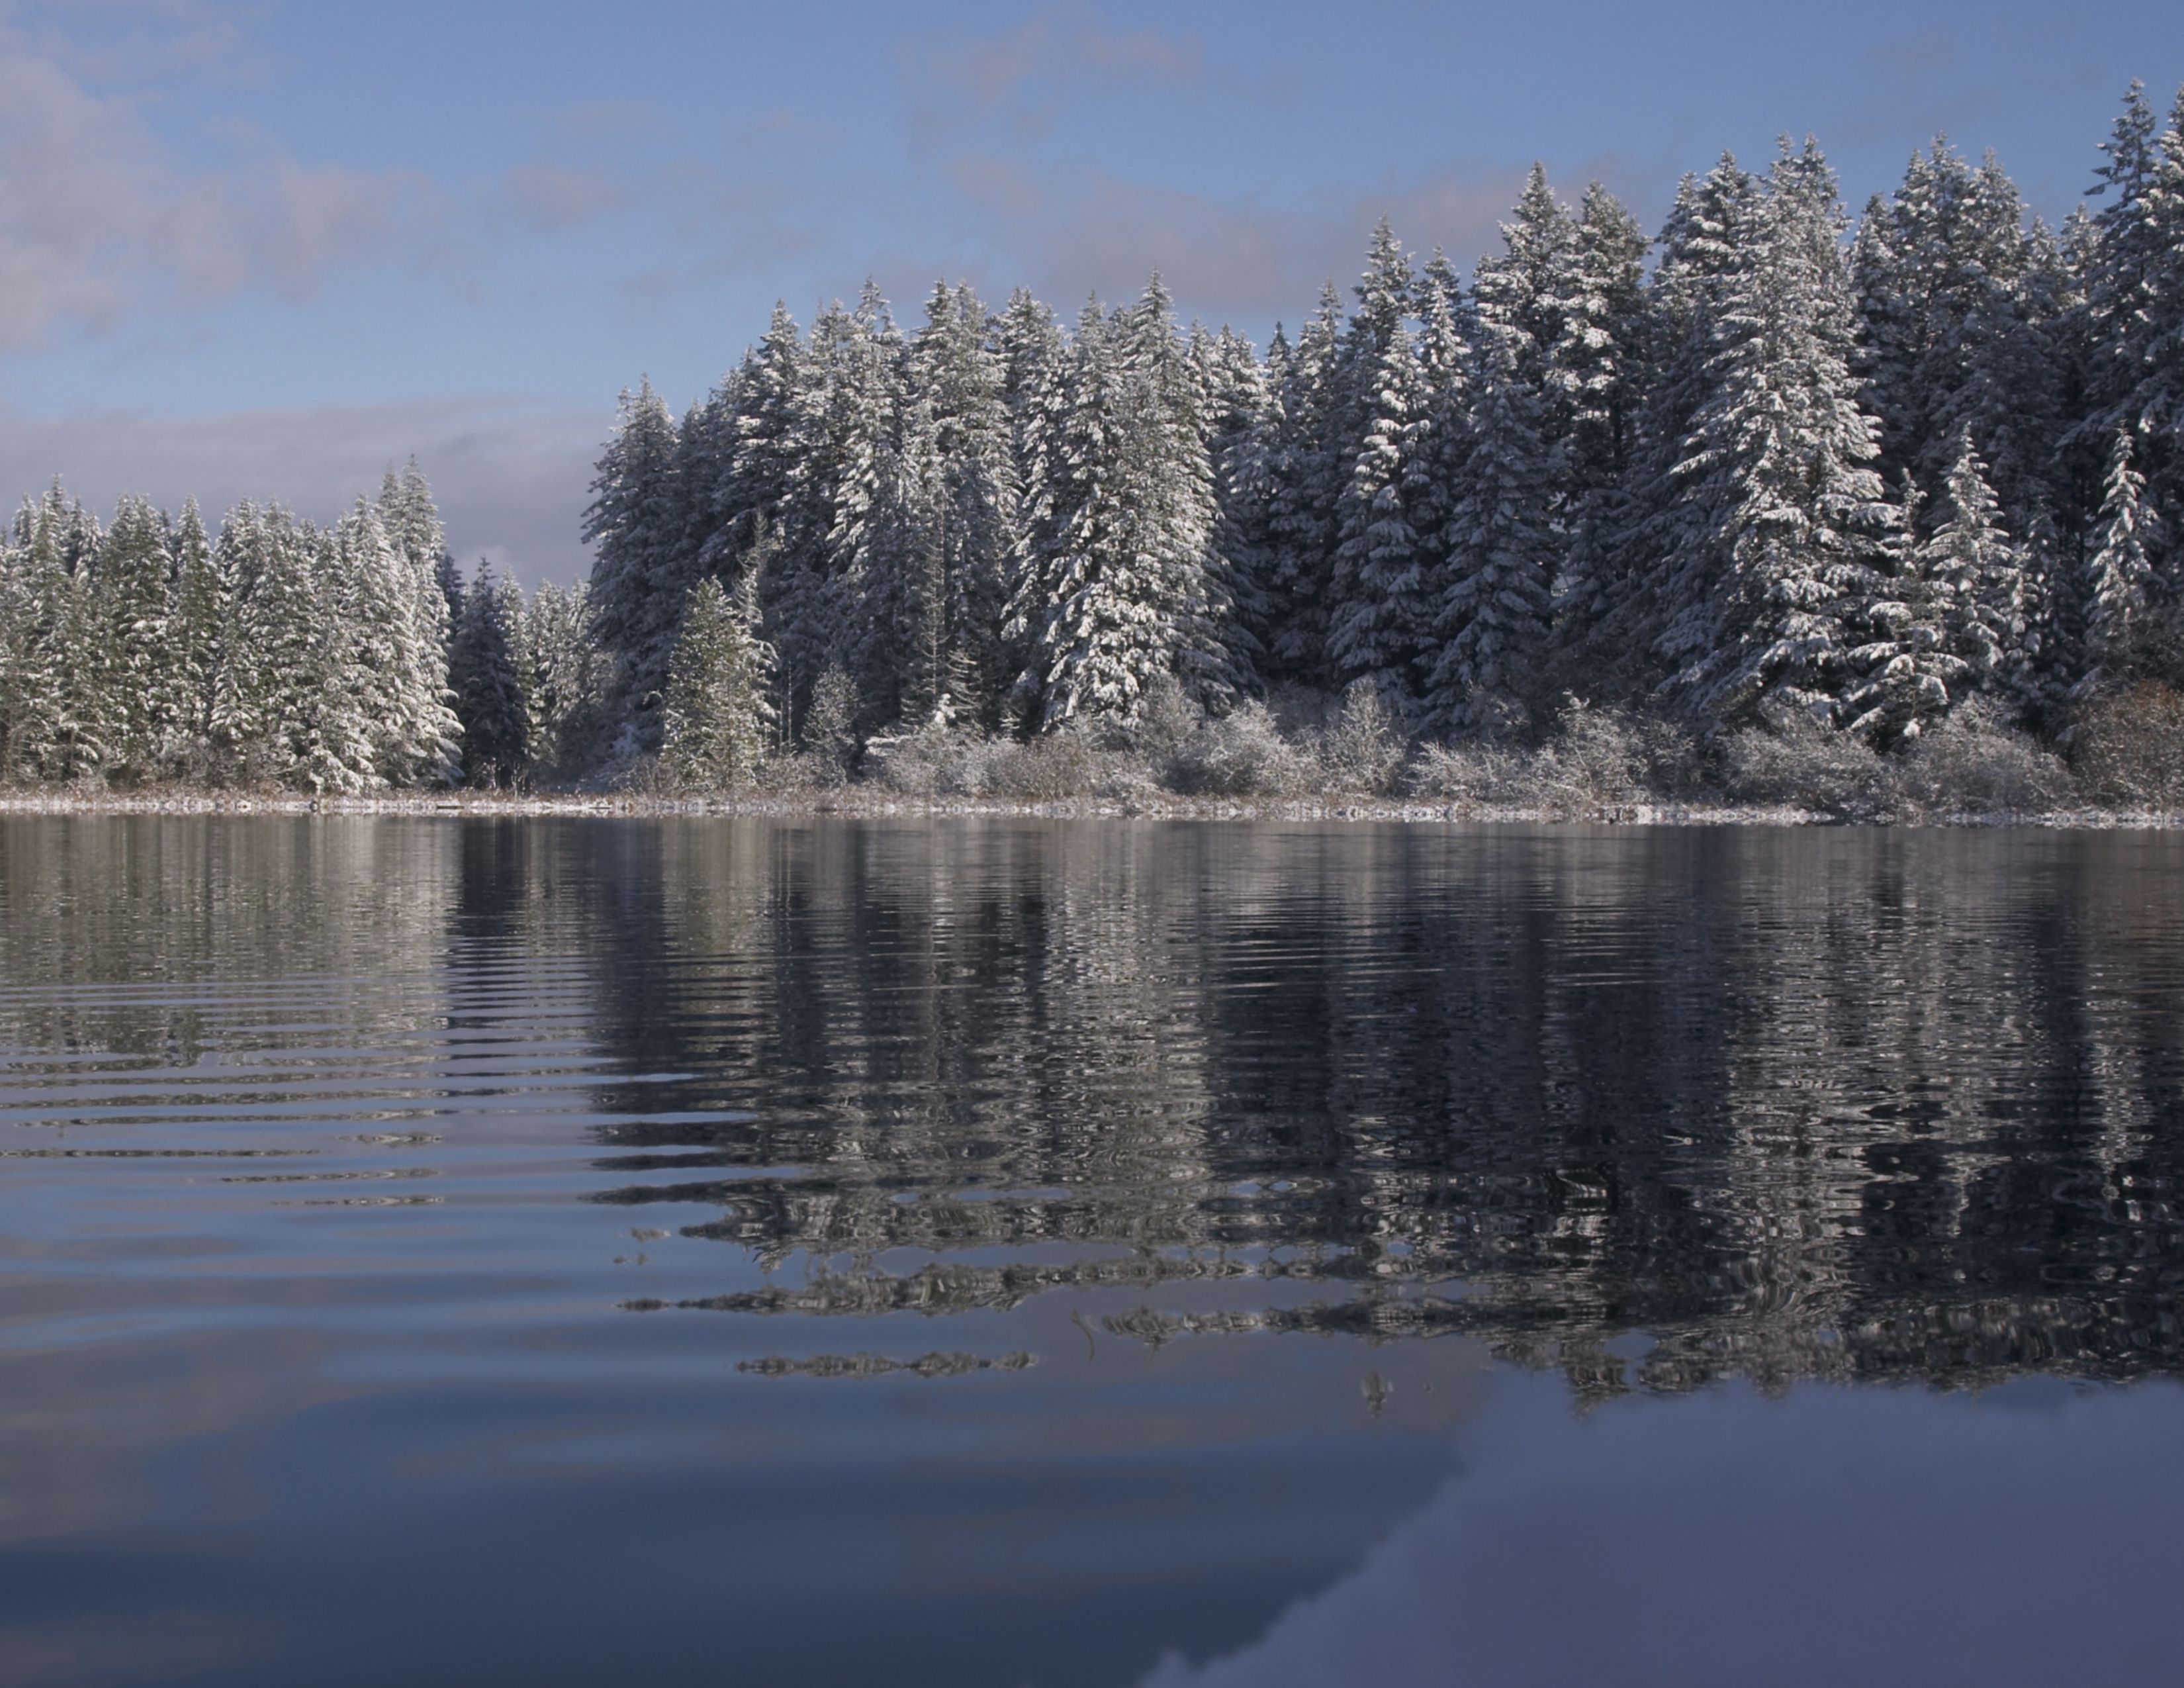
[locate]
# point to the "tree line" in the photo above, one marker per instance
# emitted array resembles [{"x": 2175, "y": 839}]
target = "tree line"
[{"x": 1768, "y": 468}]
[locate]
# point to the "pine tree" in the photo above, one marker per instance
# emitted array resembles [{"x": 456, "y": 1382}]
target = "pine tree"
[
  {"x": 1305, "y": 474},
  {"x": 68, "y": 728},
  {"x": 131, "y": 589},
  {"x": 420, "y": 739},
  {"x": 1778, "y": 469},
  {"x": 488, "y": 687},
  {"x": 1903, "y": 673},
  {"x": 1490, "y": 674},
  {"x": 1597, "y": 370},
  {"x": 718, "y": 719},
  {"x": 197, "y": 614},
  {"x": 294, "y": 707},
  {"x": 958, "y": 384},
  {"x": 1657, "y": 618},
  {"x": 1380, "y": 616},
  {"x": 1376, "y": 609},
  {"x": 637, "y": 583},
  {"x": 349, "y": 728},
  {"x": 560, "y": 676},
  {"x": 1951, "y": 323},
  {"x": 1117, "y": 592},
  {"x": 2119, "y": 574},
  {"x": 1978, "y": 575},
  {"x": 1242, "y": 431}
]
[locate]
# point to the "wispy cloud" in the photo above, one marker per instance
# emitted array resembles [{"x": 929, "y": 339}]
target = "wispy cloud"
[
  {"x": 510, "y": 476},
  {"x": 98, "y": 214},
  {"x": 1020, "y": 77},
  {"x": 1078, "y": 228}
]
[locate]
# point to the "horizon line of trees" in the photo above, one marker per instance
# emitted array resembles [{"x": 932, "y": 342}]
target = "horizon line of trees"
[
  {"x": 1767, "y": 467},
  {"x": 1762, "y": 466}
]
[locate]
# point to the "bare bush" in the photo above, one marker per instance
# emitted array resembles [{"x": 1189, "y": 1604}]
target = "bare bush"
[
  {"x": 2128, "y": 747},
  {"x": 1801, "y": 761},
  {"x": 830, "y": 729},
  {"x": 1242, "y": 755},
  {"x": 1471, "y": 775},
  {"x": 1604, "y": 759},
  {"x": 1167, "y": 717},
  {"x": 1973, "y": 762},
  {"x": 1360, "y": 751},
  {"x": 1067, "y": 763},
  {"x": 917, "y": 764}
]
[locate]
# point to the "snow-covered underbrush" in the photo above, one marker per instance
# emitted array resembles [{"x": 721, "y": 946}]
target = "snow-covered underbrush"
[
  {"x": 1301, "y": 754},
  {"x": 1597, "y": 763}
]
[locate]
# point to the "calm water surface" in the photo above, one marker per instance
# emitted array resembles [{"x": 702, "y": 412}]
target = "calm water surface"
[{"x": 562, "y": 1252}]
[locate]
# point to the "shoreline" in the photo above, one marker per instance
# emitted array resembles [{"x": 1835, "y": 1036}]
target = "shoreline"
[{"x": 854, "y": 806}]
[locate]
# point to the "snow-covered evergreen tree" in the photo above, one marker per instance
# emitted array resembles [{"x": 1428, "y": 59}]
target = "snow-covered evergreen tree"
[
  {"x": 718, "y": 718},
  {"x": 1979, "y": 577},
  {"x": 1778, "y": 471},
  {"x": 1379, "y": 608},
  {"x": 197, "y": 615},
  {"x": 1243, "y": 431},
  {"x": 2118, "y": 587},
  {"x": 965, "y": 452},
  {"x": 1597, "y": 375},
  {"x": 638, "y": 575},
  {"x": 560, "y": 676},
  {"x": 489, "y": 686},
  {"x": 1901, "y": 674},
  {"x": 1656, "y": 617},
  {"x": 420, "y": 739},
  {"x": 1490, "y": 676},
  {"x": 1116, "y": 594},
  {"x": 1305, "y": 475},
  {"x": 68, "y": 730},
  {"x": 131, "y": 587}
]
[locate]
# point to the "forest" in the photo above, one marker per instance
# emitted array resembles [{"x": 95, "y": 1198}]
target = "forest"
[{"x": 1776, "y": 504}]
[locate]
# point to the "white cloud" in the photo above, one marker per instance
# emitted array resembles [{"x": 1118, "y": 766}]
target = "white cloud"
[{"x": 98, "y": 214}]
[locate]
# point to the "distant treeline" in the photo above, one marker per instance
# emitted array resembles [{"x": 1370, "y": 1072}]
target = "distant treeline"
[{"x": 1764, "y": 471}]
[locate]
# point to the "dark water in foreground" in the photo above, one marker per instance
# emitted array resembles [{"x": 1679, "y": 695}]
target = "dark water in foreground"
[{"x": 997, "y": 1253}]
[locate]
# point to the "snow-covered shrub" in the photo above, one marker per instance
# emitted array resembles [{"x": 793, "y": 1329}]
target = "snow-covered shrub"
[
  {"x": 1360, "y": 751},
  {"x": 2128, "y": 747},
  {"x": 1242, "y": 755},
  {"x": 1606, "y": 758},
  {"x": 1167, "y": 717},
  {"x": 1473, "y": 774},
  {"x": 1067, "y": 763},
  {"x": 830, "y": 728},
  {"x": 1800, "y": 761},
  {"x": 920, "y": 764},
  {"x": 1973, "y": 763}
]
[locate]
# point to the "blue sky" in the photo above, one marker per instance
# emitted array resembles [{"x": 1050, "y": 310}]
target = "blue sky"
[{"x": 260, "y": 247}]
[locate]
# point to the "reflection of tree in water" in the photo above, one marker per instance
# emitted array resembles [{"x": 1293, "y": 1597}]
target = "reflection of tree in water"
[
  {"x": 1791, "y": 1103},
  {"x": 143, "y": 937},
  {"x": 1819, "y": 1103}
]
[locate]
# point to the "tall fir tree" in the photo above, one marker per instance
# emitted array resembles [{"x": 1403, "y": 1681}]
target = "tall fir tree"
[
  {"x": 131, "y": 589},
  {"x": 1305, "y": 475},
  {"x": 2118, "y": 586},
  {"x": 1379, "y": 612},
  {"x": 718, "y": 718},
  {"x": 196, "y": 650},
  {"x": 1979, "y": 575},
  {"x": 489, "y": 686},
  {"x": 637, "y": 582},
  {"x": 1779, "y": 466}
]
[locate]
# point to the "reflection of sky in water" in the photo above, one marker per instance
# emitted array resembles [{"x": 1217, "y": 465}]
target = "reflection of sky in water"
[
  {"x": 2027, "y": 1535},
  {"x": 1086, "y": 1254}
]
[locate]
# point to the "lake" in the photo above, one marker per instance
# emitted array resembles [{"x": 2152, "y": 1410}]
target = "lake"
[{"x": 1009, "y": 1252}]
